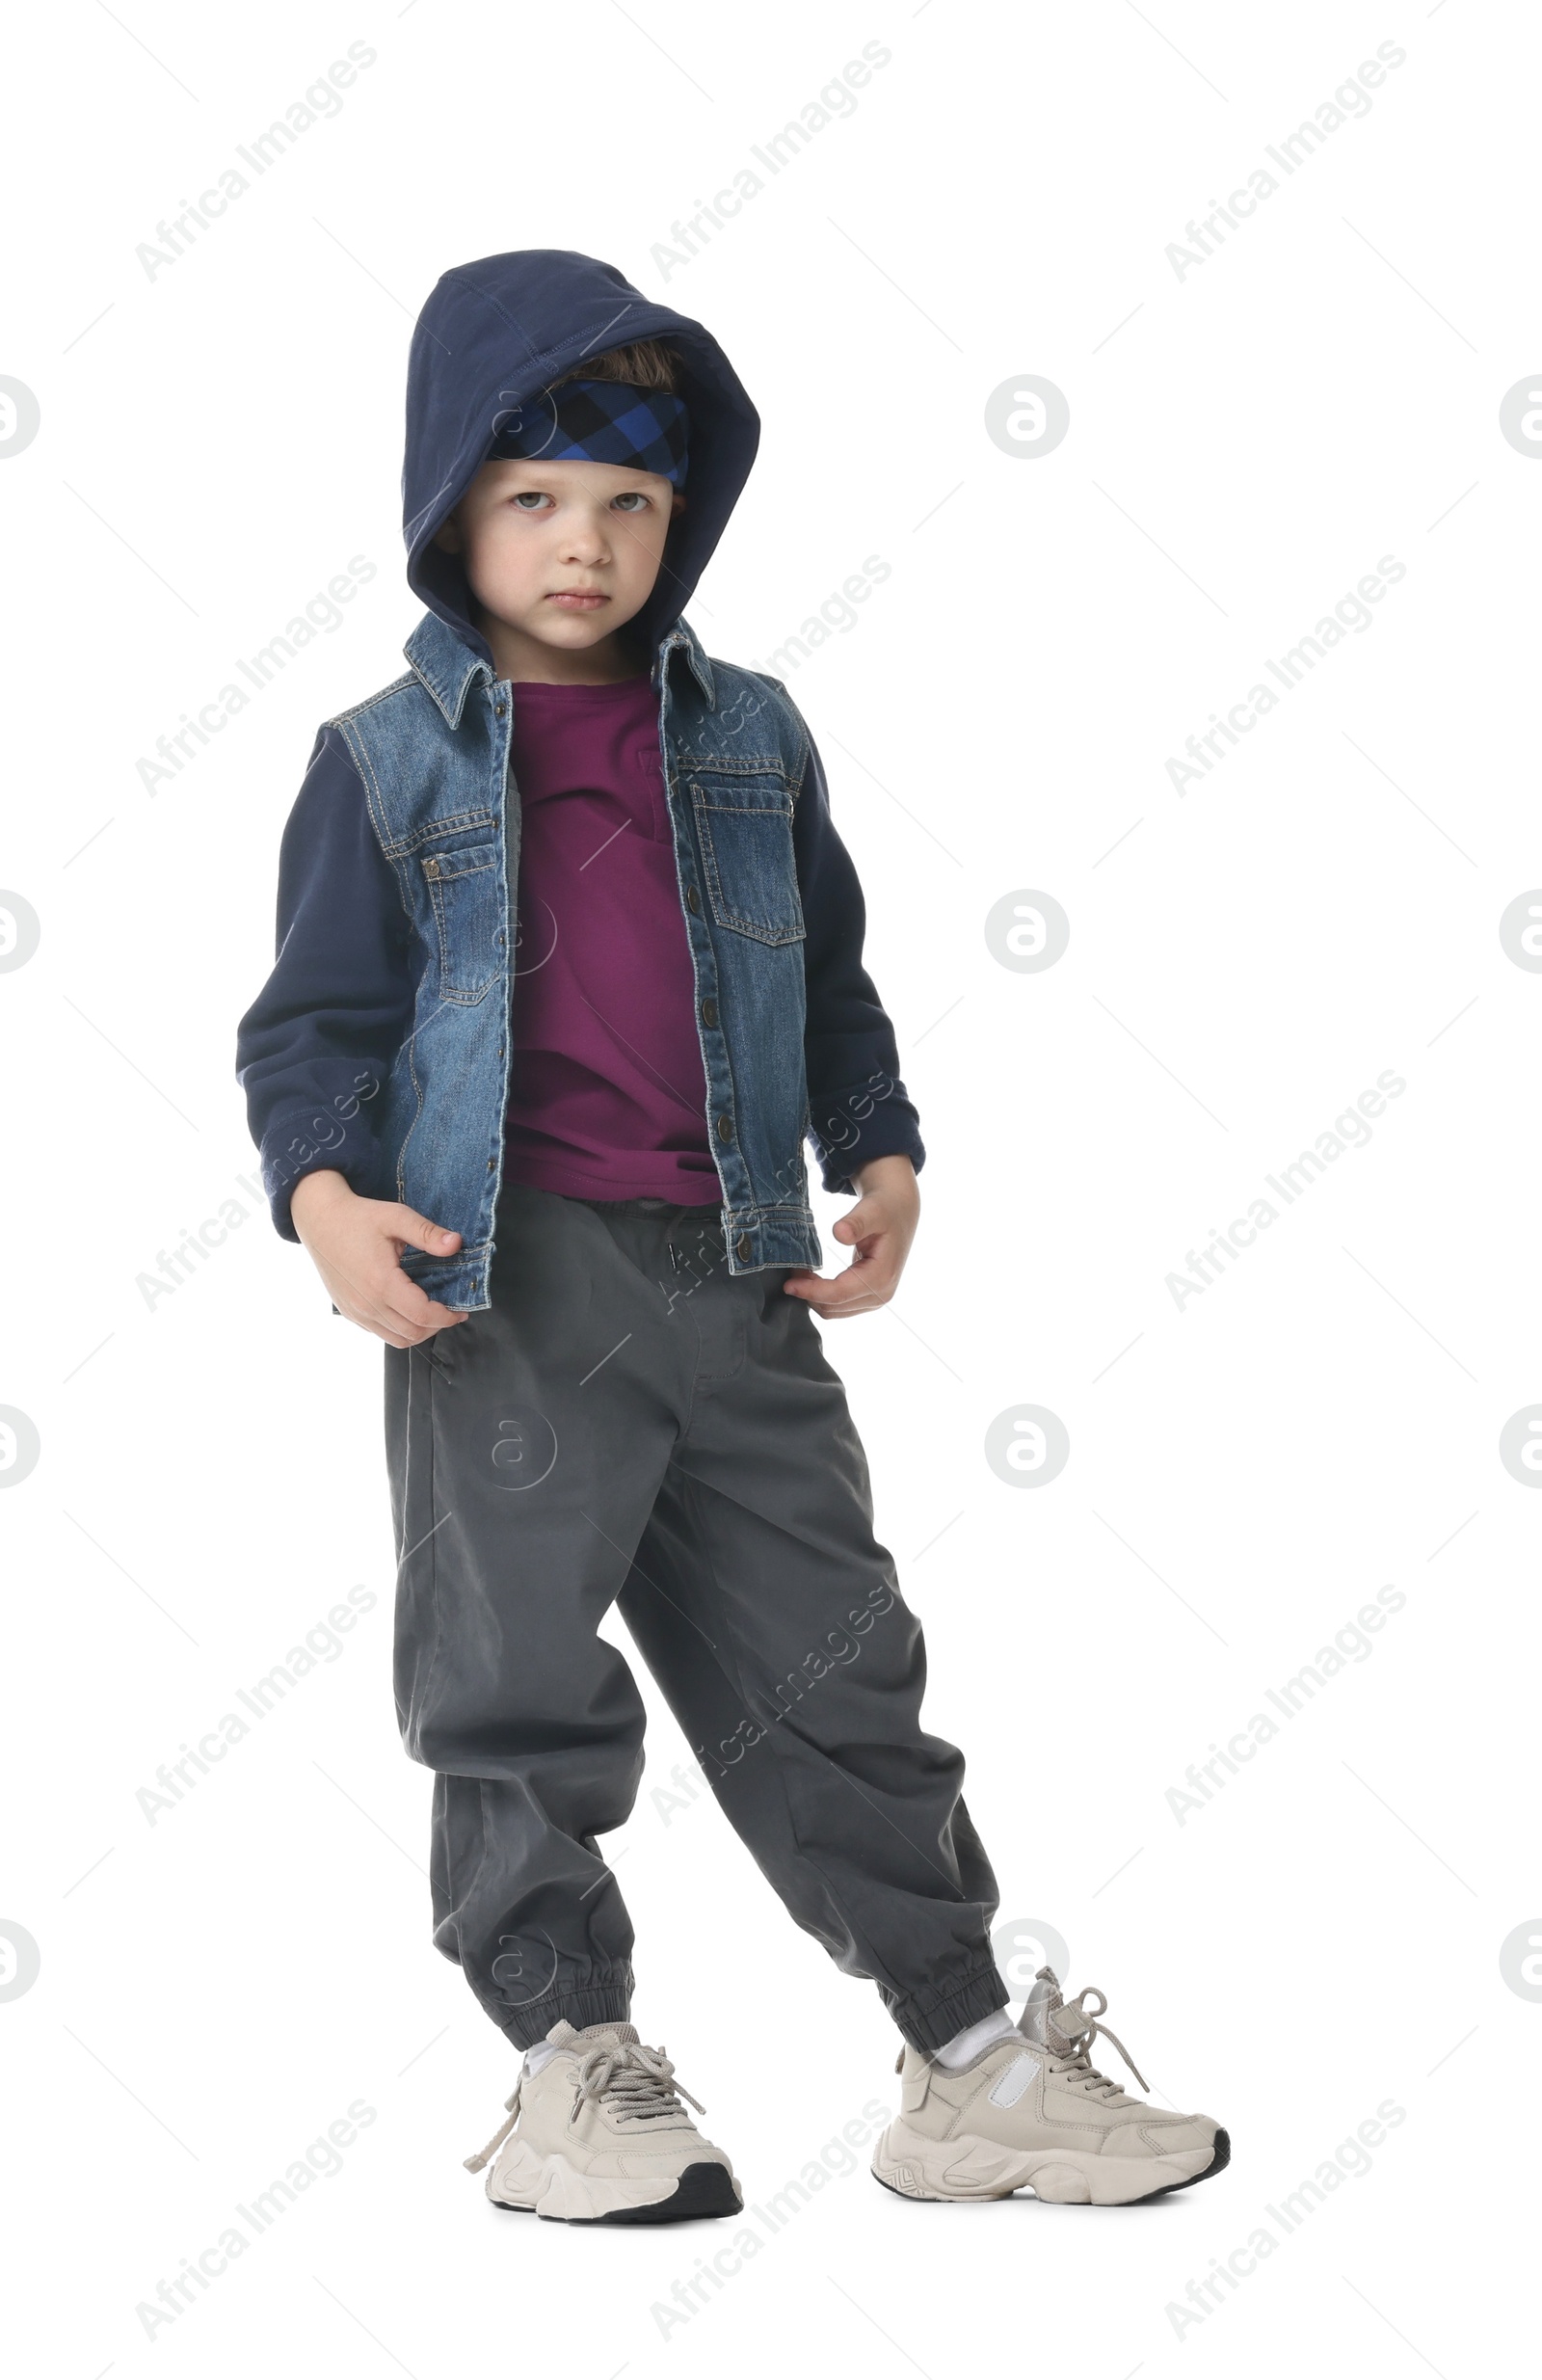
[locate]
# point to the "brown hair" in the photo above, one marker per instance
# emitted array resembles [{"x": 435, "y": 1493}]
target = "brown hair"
[{"x": 647, "y": 363}]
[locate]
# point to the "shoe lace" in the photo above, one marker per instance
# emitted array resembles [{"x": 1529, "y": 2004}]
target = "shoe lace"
[
  {"x": 482, "y": 2156},
  {"x": 635, "y": 2083},
  {"x": 1071, "y": 2030}
]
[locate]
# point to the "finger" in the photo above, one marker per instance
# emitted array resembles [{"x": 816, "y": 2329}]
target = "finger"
[
  {"x": 408, "y": 1308},
  {"x": 866, "y": 1302},
  {"x": 440, "y": 1318},
  {"x": 380, "y": 1297},
  {"x": 396, "y": 1291},
  {"x": 377, "y": 1323},
  {"x": 400, "y": 1308},
  {"x": 365, "y": 1285},
  {"x": 360, "y": 1302},
  {"x": 405, "y": 1223},
  {"x": 870, "y": 1277},
  {"x": 805, "y": 1285},
  {"x": 849, "y": 1292},
  {"x": 395, "y": 1328}
]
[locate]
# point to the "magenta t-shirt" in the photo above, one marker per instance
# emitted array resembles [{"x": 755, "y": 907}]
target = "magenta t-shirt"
[{"x": 607, "y": 1094}]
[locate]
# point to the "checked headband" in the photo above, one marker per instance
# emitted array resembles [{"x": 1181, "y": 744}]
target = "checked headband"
[{"x": 599, "y": 421}]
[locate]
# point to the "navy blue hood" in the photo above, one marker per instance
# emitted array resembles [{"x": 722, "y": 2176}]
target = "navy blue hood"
[{"x": 492, "y": 335}]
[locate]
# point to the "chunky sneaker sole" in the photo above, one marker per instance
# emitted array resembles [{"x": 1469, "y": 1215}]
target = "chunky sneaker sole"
[
  {"x": 969, "y": 2167},
  {"x": 556, "y": 2191},
  {"x": 1023, "y": 2107},
  {"x": 597, "y": 2133}
]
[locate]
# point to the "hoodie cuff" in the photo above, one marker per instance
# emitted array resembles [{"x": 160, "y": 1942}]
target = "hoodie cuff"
[
  {"x": 849, "y": 1129},
  {"x": 293, "y": 1147}
]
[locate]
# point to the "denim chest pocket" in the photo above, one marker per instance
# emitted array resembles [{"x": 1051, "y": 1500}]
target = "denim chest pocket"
[
  {"x": 467, "y": 891},
  {"x": 744, "y": 824}
]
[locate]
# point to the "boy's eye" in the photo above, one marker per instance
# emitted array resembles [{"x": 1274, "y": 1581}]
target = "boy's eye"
[
  {"x": 632, "y": 500},
  {"x": 529, "y": 500}
]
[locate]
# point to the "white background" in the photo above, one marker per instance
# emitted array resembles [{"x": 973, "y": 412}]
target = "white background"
[{"x": 1246, "y": 1470}]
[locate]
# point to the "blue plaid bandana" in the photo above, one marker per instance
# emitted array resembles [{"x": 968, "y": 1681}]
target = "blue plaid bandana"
[{"x": 598, "y": 421}]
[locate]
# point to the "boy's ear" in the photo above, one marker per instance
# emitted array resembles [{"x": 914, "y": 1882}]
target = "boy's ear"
[
  {"x": 447, "y": 536},
  {"x": 678, "y": 505}
]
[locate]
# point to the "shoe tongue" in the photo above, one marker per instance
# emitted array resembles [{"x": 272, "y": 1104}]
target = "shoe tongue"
[
  {"x": 1041, "y": 2003},
  {"x": 562, "y": 2033}
]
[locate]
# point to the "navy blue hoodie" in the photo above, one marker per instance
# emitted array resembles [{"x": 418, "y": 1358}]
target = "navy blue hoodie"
[{"x": 491, "y": 335}]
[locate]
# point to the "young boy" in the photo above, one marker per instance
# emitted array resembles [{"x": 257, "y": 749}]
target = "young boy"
[{"x": 569, "y": 964}]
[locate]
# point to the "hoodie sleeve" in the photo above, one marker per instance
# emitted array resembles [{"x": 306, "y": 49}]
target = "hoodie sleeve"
[
  {"x": 314, "y": 1049},
  {"x": 858, "y": 1106}
]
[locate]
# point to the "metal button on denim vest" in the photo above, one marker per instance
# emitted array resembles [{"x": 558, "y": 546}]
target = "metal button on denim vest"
[{"x": 433, "y": 752}]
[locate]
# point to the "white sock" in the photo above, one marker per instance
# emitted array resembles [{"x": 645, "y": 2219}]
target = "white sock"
[
  {"x": 974, "y": 2039},
  {"x": 539, "y": 2055}
]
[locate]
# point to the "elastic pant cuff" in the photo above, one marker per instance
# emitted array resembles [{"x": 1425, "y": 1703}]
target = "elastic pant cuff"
[
  {"x": 595, "y": 2004},
  {"x": 928, "y": 2027}
]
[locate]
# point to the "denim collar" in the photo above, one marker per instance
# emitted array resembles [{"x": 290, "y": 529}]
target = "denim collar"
[
  {"x": 683, "y": 636},
  {"x": 446, "y": 667},
  {"x": 443, "y": 665}
]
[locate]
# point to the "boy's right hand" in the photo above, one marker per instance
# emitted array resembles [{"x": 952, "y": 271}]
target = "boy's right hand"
[{"x": 356, "y": 1245}]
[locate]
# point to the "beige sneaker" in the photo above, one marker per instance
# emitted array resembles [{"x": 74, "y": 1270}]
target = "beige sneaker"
[
  {"x": 598, "y": 2135},
  {"x": 1034, "y": 2113}
]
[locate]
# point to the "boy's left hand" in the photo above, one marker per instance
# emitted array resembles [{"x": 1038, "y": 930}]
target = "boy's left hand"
[{"x": 880, "y": 1227}]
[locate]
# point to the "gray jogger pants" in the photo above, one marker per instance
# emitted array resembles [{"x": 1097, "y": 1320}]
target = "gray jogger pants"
[{"x": 630, "y": 1422}]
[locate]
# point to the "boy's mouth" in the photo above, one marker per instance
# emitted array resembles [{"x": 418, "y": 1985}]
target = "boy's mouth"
[{"x": 577, "y": 598}]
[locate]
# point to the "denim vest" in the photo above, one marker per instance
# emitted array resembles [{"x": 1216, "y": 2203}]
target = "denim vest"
[{"x": 433, "y": 752}]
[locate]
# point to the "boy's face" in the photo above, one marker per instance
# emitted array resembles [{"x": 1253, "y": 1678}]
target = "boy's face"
[{"x": 565, "y": 554}]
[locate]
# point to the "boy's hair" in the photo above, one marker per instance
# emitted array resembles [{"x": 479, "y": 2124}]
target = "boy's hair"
[{"x": 647, "y": 363}]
